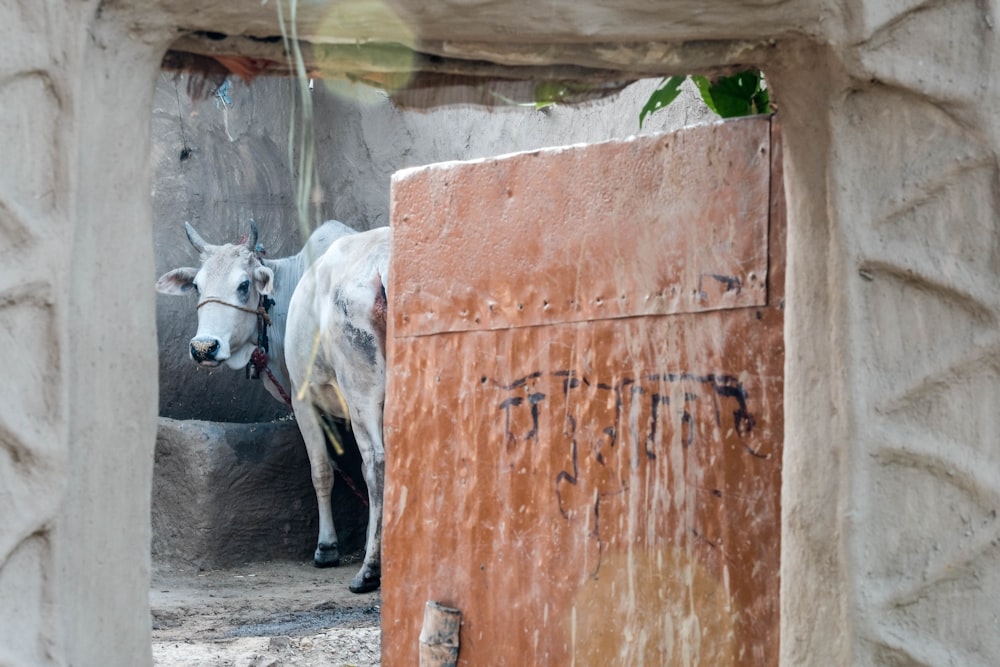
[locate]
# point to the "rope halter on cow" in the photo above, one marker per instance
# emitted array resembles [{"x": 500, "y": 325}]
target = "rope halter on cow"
[
  {"x": 260, "y": 311},
  {"x": 258, "y": 359}
]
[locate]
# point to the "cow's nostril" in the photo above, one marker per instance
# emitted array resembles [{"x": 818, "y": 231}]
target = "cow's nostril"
[{"x": 204, "y": 350}]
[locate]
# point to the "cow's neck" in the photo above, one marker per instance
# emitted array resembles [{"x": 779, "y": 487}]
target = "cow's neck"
[{"x": 287, "y": 272}]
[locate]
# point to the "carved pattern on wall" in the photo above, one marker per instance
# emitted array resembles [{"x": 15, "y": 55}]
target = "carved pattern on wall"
[
  {"x": 926, "y": 546},
  {"x": 25, "y": 617},
  {"x": 33, "y": 425},
  {"x": 32, "y": 445}
]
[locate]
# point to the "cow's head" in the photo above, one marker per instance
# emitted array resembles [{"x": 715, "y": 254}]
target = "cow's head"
[{"x": 229, "y": 285}]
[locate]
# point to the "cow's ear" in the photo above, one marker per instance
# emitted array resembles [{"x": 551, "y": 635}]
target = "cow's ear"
[
  {"x": 178, "y": 281},
  {"x": 263, "y": 278}
]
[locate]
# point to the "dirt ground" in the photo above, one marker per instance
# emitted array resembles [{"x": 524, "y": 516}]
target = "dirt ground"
[{"x": 263, "y": 615}]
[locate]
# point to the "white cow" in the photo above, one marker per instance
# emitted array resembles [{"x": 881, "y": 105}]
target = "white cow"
[
  {"x": 244, "y": 303},
  {"x": 234, "y": 281},
  {"x": 335, "y": 351}
]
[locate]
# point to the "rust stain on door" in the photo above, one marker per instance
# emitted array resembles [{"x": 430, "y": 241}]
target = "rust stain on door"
[{"x": 590, "y": 473}]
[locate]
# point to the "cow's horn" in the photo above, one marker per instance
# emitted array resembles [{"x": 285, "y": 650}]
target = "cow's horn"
[
  {"x": 195, "y": 238},
  {"x": 252, "y": 239}
]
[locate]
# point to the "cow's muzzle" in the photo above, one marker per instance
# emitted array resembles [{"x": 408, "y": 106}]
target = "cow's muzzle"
[{"x": 203, "y": 351}]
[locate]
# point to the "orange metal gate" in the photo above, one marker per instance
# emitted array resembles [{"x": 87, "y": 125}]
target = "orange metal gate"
[{"x": 584, "y": 408}]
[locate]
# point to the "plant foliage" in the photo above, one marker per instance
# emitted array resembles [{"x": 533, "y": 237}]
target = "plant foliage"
[
  {"x": 742, "y": 94},
  {"x": 665, "y": 93}
]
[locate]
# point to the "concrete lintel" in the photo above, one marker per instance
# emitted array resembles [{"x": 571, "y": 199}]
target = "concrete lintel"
[{"x": 505, "y": 23}]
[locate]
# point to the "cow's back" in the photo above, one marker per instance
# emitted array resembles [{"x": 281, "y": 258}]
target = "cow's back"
[
  {"x": 319, "y": 241},
  {"x": 336, "y": 295},
  {"x": 354, "y": 260}
]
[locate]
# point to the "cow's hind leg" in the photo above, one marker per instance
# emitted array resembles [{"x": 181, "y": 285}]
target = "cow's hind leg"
[
  {"x": 327, "y": 550},
  {"x": 368, "y": 433}
]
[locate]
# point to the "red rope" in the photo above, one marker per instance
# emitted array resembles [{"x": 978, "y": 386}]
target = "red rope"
[
  {"x": 259, "y": 360},
  {"x": 350, "y": 483}
]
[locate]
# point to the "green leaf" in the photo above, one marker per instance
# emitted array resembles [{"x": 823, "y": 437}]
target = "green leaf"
[
  {"x": 665, "y": 93},
  {"x": 549, "y": 93},
  {"x": 733, "y": 95},
  {"x": 762, "y": 101},
  {"x": 730, "y": 96},
  {"x": 705, "y": 88}
]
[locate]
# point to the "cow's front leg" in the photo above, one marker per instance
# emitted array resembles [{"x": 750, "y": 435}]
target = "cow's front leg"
[{"x": 327, "y": 550}]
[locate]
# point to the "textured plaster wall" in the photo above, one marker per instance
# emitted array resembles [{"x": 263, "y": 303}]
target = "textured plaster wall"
[
  {"x": 892, "y": 340},
  {"x": 228, "y": 494},
  {"x": 76, "y": 326},
  {"x": 891, "y": 489},
  {"x": 218, "y": 165}
]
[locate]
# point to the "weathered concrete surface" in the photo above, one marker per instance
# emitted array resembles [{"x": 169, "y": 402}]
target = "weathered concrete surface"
[
  {"x": 228, "y": 494},
  {"x": 76, "y": 322},
  {"x": 891, "y": 145},
  {"x": 892, "y": 340},
  {"x": 218, "y": 165},
  {"x": 657, "y": 36}
]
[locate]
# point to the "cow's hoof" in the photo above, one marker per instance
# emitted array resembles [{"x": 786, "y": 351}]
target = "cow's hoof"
[
  {"x": 327, "y": 555},
  {"x": 365, "y": 581}
]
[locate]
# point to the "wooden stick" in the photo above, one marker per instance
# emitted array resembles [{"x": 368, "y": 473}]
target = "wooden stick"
[{"x": 439, "y": 636}]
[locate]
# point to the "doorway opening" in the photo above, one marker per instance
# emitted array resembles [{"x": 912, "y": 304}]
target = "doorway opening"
[{"x": 224, "y": 155}]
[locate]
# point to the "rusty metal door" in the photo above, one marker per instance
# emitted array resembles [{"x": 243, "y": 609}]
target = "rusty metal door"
[{"x": 584, "y": 409}]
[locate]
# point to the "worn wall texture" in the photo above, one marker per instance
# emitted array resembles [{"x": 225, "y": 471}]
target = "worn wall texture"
[
  {"x": 225, "y": 160},
  {"x": 227, "y": 494},
  {"x": 890, "y": 486},
  {"x": 76, "y": 327}
]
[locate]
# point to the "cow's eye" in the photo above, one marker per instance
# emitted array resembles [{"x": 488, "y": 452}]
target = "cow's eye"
[{"x": 244, "y": 287}]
